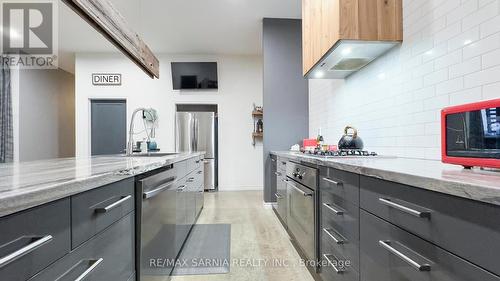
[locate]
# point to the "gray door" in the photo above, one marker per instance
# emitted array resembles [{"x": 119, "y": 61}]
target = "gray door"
[{"x": 108, "y": 126}]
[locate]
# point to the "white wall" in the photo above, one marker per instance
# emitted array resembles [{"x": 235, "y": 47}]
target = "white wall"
[
  {"x": 44, "y": 114},
  {"x": 450, "y": 55},
  {"x": 240, "y": 85}
]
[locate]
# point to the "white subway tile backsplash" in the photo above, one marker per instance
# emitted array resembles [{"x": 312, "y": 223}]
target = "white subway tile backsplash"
[
  {"x": 450, "y": 55},
  {"x": 466, "y": 96},
  {"x": 491, "y": 59},
  {"x": 491, "y": 91},
  {"x": 482, "y": 46},
  {"x": 449, "y": 59},
  {"x": 480, "y": 16},
  {"x": 436, "y": 102},
  {"x": 459, "y": 13},
  {"x": 436, "y": 77},
  {"x": 447, "y": 33},
  {"x": 465, "y": 38},
  {"x": 450, "y": 86},
  {"x": 490, "y": 27},
  {"x": 487, "y": 76},
  {"x": 465, "y": 67}
]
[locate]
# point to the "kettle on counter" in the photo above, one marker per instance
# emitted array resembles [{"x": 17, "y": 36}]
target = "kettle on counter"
[{"x": 350, "y": 140}]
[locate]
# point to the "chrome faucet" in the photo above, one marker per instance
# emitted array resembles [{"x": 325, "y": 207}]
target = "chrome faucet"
[{"x": 130, "y": 144}]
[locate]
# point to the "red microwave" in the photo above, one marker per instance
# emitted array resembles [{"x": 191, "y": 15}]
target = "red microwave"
[{"x": 470, "y": 134}]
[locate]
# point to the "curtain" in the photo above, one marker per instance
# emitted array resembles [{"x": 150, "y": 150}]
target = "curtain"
[{"x": 6, "y": 131}]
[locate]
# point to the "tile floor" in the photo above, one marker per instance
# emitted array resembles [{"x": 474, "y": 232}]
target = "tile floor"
[{"x": 256, "y": 236}]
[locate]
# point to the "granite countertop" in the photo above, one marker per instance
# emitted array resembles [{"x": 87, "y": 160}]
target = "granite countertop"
[
  {"x": 475, "y": 184},
  {"x": 28, "y": 184}
]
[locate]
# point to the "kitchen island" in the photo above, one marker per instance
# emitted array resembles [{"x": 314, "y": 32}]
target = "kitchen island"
[
  {"x": 66, "y": 219},
  {"x": 389, "y": 218}
]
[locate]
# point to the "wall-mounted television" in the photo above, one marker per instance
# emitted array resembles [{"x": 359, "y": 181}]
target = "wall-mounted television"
[{"x": 194, "y": 75}]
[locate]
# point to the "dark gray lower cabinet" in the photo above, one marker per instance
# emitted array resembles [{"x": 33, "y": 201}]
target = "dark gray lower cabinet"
[
  {"x": 200, "y": 189},
  {"x": 452, "y": 223},
  {"x": 189, "y": 201},
  {"x": 181, "y": 227},
  {"x": 389, "y": 253},
  {"x": 94, "y": 210},
  {"x": 281, "y": 195},
  {"x": 109, "y": 256},
  {"x": 33, "y": 239}
]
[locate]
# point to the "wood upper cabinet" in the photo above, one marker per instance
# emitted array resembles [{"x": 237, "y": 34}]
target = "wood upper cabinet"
[{"x": 325, "y": 22}]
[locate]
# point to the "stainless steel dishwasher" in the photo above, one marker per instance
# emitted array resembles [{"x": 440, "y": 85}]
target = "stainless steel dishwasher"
[{"x": 157, "y": 219}]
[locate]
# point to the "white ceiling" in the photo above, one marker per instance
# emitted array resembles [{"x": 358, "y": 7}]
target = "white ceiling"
[{"x": 181, "y": 26}]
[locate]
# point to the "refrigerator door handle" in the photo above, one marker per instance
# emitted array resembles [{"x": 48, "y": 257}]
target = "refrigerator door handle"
[
  {"x": 196, "y": 132},
  {"x": 193, "y": 138}
]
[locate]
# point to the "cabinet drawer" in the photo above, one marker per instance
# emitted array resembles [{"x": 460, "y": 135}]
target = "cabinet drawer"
[
  {"x": 181, "y": 169},
  {"x": 333, "y": 243},
  {"x": 340, "y": 183},
  {"x": 39, "y": 236},
  {"x": 391, "y": 254},
  {"x": 337, "y": 268},
  {"x": 341, "y": 216},
  {"x": 464, "y": 227},
  {"x": 197, "y": 176},
  {"x": 94, "y": 210},
  {"x": 107, "y": 256},
  {"x": 193, "y": 163}
]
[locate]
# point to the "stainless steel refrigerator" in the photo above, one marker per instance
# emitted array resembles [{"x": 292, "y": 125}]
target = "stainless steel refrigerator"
[{"x": 197, "y": 131}]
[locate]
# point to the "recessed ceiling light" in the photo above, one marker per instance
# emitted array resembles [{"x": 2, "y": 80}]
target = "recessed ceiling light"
[
  {"x": 381, "y": 76},
  {"x": 346, "y": 51},
  {"x": 319, "y": 74},
  {"x": 429, "y": 52}
]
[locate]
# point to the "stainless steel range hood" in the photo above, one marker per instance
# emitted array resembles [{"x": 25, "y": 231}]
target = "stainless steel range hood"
[{"x": 347, "y": 57}]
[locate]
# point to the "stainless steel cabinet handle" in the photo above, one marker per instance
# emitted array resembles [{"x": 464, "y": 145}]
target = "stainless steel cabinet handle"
[
  {"x": 405, "y": 209},
  {"x": 420, "y": 267},
  {"x": 113, "y": 205},
  {"x": 332, "y": 181},
  {"x": 199, "y": 172},
  {"x": 25, "y": 250},
  {"x": 91, "y": 268},
  {"x": 338, "y": 212},
  {"x": 182, "y": 187},
  {"x": 190, "y": 180},
  {"x": 278, "y": 196},
  {"x": 337, "y": 269},
  {"x": 274, "y": 160},
  {"x": 298, "y": 189},
  {"x": 156, "y": 191},
  {"x": 278, "y": 174},
  {"x": 338, "y": 240}
]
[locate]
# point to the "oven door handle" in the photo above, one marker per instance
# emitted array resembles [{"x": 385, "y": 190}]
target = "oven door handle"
[{"x": 305, "y": 194}]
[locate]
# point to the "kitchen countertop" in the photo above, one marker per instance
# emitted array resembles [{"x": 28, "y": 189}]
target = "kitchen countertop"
[
  {"x": 475, "y": 184},
  {"x": 28, "y": 184}
]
